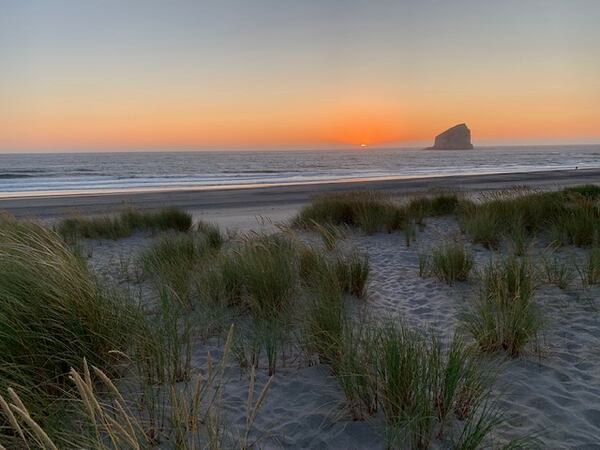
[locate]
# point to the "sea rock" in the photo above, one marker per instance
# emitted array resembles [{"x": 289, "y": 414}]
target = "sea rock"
[{"x": 456, "y": 138}]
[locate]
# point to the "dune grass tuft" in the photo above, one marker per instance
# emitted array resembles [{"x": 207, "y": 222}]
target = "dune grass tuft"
[
  {"x": 213, "y": 233},
  {"x": 353, "y": 273},
  {"x": 505, "y": 316},
  {"x": 219, "y": 283},
  {"x": 268, "y": 272},
  {"x": 558, "y": 272},
  {"x": 572, "y": 215},
  {"x": 356, "y": 368},
  {"x": 330, "y": 234},
  {"x": 440, "y": 204},
  {"x": 53, "y": 313},
  {"x": 366, "y": 210},
  {"x": 123, "y": 224},
  {"x": 372, "y": 211},
  {"x": 590, "y": 272},
  {"x": 172, "y": 259},
  {"x": 423, "y": 384},
  {"x": 451, "y": 262},
  {"x": 591, "y": 191},
  {"x": 481, "y": 223},
  {"x": 325, "y": 316}
]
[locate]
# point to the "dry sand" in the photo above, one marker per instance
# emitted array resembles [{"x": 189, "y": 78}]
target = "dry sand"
[{"x": 553, "y": 394}]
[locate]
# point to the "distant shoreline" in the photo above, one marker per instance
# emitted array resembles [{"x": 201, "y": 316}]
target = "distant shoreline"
[{"x": 259, "y": 200}]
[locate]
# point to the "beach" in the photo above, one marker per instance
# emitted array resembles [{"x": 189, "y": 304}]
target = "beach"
[
  {"x": 547, "y": 394},
  {"x": 552, "y": 392},
  {"x": 280, "y": 225},
  {"x": 240, "y": 207}
]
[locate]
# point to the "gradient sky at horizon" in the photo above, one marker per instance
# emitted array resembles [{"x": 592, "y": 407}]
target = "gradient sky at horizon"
[{"x": 122, "y": 74}]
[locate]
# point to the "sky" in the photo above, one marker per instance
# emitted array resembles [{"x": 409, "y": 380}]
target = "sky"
[{"x": 215, "y": 74}]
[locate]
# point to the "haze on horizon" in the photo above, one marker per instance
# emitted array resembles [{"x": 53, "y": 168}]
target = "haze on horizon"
[{"x": 123, "y": 74}]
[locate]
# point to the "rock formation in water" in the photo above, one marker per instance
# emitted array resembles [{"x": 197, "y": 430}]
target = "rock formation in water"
[{"x": 456, "y": 138}]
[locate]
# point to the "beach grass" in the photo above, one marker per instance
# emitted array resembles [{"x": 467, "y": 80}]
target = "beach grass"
[
  {"x": 325, "y": 317},
  {"x": 219, "y": 282},
  {"x": 311, "y": 262},
  {"x": 558, "y": 272},
  {"x": 366, "y": 210},
  {"x": 356, "y": 368},
  {"x": 572, "y": 216},
  {"x": 437, "y": 204},
  {"x": 505, "y": 316},
  {"x": 405, "y": 384},
  {"x": 353, "y": 273},
  {"x": 424, "y": 383},
  {"x": 590, "y": 272},
  {"x": 53, "y": 313},
  {"x": 108, "y": 419},
  {"x": 267, "y": 266},
  {"x": 410, "y": 233},
  {"x": 373, "y": 212},
  {"x": 481, "y": 223},
  {"x": 214, "y": 236},
  {"x": 169, "y": 356},
  {"x": 330, "y": 234},
  {"x": 172, "y": 258},
  {"x": 451, "y": 262},
  {"x": 123, "y": 224},
  {"x": 591, "y": 191},
  {"x": 264, "y": 341}
]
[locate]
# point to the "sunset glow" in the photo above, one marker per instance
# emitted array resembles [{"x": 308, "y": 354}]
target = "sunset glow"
[{"x": 119, "y": 75}]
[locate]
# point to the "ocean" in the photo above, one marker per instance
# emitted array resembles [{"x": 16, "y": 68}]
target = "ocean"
[{"x": 34, "y": 174}]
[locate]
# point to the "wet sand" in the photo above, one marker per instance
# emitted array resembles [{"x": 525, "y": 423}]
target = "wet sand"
[{"x": 230, "y": 206}]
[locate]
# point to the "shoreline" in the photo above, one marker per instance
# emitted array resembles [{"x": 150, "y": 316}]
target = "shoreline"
[
  {"x": 260, "y": 200},
  {"x": 8, "y": 195}
]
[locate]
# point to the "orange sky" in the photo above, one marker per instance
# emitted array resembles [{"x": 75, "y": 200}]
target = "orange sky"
[
  {"x": 320, "y": 74},
  {"x": 115, "y": 124}
]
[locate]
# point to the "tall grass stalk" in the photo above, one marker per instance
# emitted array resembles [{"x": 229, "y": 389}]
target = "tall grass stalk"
[
  {"x": 52, "y": 313},
  {"x": 410, "y": 232},
  {"x": 109, "y": 420}
]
